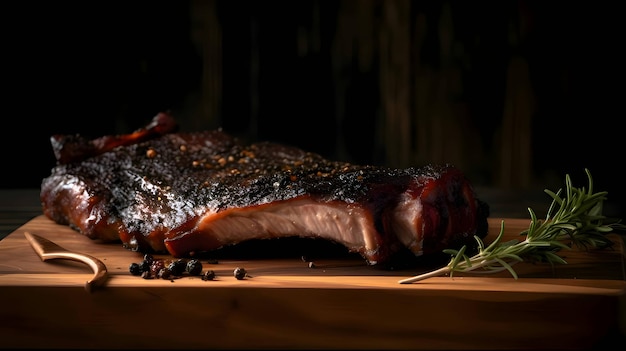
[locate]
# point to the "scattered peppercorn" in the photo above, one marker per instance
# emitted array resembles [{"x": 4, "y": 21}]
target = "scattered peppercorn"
[
  {"x": 145, "y": 266},
  {"x": 135, "y": 268},
  {"x": 156, "y": 267},
  {"x": 164, "y": 273},
  {"x": 208, "y": 275},
  {"x": 194, "y": 267},
  {"x": 240, "y": 273},
  {"x": 177, "y": 267}
]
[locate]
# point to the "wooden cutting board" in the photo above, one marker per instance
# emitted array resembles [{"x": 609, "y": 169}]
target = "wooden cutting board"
[{"x": 340, "y": 303}]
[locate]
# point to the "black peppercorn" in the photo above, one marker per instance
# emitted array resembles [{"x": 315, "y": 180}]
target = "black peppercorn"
[
  {"x": 164, "y": 273},
  {"x": 135, "y": 268},
  {"x": 208, "y": 275},
  {"x": 156, "y": 266},
  {"x": 177, "y": 267},
  {"x": 194, "y": 267},
  {"x": 240, "y": 273},
  {"x": 145, "y": 265}
]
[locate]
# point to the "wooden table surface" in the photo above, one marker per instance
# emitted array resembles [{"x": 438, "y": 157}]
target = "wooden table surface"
[{"x": 287, "y": 305}]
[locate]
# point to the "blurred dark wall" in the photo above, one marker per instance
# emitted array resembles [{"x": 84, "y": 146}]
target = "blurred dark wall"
[
  {"x": 517, "y": 93},
  {"x": 92, "y": 68}
]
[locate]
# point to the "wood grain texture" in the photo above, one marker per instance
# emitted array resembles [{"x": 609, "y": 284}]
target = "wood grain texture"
[{"x": 341, "y": 304}]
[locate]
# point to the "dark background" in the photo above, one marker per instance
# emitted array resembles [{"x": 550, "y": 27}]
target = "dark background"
[{"x": 333, "y": 77}]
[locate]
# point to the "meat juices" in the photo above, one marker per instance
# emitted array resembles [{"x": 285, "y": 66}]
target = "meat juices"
[{"x": 160, "y": 191}]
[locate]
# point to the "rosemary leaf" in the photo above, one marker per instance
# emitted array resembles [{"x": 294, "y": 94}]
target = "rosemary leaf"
[{"x": 575, "y": 219}]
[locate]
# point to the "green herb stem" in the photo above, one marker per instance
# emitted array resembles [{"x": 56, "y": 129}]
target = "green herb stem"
[{"x": 574, "y": 220}]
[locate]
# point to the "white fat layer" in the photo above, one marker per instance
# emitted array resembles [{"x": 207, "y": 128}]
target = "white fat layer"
[
  {"x": 407, "y": 225},
  {"x": 349, "y": 225}
]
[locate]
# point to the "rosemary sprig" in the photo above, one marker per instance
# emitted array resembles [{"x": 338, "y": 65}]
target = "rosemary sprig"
[{"x": 574, "y": 220}]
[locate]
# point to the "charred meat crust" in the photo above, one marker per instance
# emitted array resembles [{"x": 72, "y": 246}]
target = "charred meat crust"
[{"x": 157, "y": 190}]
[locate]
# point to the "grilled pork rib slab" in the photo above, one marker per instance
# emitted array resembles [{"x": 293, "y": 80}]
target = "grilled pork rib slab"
[{"x": 192, "y": 193}]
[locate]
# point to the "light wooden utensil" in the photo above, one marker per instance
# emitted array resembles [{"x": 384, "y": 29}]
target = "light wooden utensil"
[{"x": 48, "y": 250}]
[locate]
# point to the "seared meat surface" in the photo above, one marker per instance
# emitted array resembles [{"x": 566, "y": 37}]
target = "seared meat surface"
[{"x": 158, "y": 190}]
